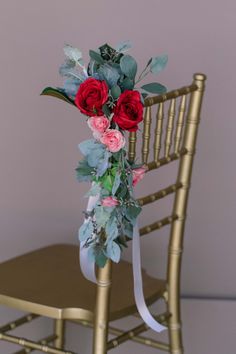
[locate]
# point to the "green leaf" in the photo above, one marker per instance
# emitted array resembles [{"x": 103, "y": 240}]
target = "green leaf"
[
  {"x": 50, "y": 91},
  {"x": 107, "y": 52},
  {"x": 127, "y": 84},
  {"x": 108, "y": 182},
  {"x": 113, "y": 251},
  {"x": 115, "y": 91},
  {"x": 128, "y": 66},
  {"x": 106, "y": 110},
  {"x": 102, "y": 215},
  {"x": 96, "y": 56},
  {"x": 100, "y": 259},
  {"x": 116, "y": 184},
  {"x": 96, "y": 157},
  {"x": 122, "y": 190},
  {"x": 128, "y": 228},
  {"x": 85, "y": 230},
  {"x": 84, "y": 171},
  {"x": 111, "y": 229},
  {"x": 154, "y": 87},
  {"x": 132, "y": 212},
  {"x": 97, "y": 255},
  {"x": 158, "y": 63},
  {"x": 109, "y": 74}
]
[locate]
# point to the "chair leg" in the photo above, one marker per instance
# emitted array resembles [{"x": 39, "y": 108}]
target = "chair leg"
[
  {"x": 60, "y": 333},
  {"x": 175, "y": 331},
  {"x": 101, "y": 319}
]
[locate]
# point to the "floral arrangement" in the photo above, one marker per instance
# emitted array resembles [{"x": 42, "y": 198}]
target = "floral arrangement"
[{"x": 106, "y": 92}]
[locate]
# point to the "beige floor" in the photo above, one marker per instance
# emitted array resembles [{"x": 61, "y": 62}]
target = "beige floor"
[{"x": 209, "y": 328}]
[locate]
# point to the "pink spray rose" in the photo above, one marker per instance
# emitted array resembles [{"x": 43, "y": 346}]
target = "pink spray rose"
[
  {"x": 98, "y": 125},
  {"x": 138, "y": 174},
  {"x": 109, "y": 202},
  {"x": 113, "y": 139}
]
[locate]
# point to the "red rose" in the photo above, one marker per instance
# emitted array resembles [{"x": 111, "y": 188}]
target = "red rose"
[
  {"x": 91, "y": 96},
  {"x": 128, "y": 111}
]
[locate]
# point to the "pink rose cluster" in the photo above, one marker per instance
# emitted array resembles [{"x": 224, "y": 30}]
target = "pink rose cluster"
[
  {"x": 112, "y": 138},
  {"x": 110, "y": 202}
]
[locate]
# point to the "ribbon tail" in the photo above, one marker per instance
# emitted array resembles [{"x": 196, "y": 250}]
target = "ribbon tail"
[{"x": 138, "y": 285}]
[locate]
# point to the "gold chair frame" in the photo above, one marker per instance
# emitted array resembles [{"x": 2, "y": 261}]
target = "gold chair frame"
[{"x": 183, "y": 150}]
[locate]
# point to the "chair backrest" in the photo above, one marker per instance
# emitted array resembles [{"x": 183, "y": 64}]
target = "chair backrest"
[
  {"x": 175, "y": 141},
  {"x": 179, "y": 140}
]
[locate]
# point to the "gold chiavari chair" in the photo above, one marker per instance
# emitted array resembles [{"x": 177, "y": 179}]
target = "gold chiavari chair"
[{"x": 48, "y": 282}]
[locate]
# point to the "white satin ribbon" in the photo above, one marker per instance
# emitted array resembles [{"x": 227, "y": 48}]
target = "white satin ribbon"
[{"x": 88, "y": 270}]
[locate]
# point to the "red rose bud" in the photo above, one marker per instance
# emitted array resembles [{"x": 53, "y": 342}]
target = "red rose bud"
[
  {"x": 128, "y": 111},
  {"x": 91, "y": 96}
]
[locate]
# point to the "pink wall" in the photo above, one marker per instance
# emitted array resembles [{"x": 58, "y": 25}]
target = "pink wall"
[{"x": 41, "y": 202}]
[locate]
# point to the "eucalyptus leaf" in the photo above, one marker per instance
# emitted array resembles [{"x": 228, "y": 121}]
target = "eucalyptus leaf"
[
  {"x": 113, "y": 251},
  {"x": 84, "y": 171},
  {"x": 96, "y": 56},
  {"x": 154, "y": 87},
  {"x": 132, "y": 212},
  {"x": 75, "y": 74},
  {"x": 158, "y": 63},
  {"x": 109, "y": 74},
  {"x": 92, "y": 68},
  {"x": 85, "y": 230},
  {"x": 128, "y": 66},
  {"x": 102, "y": 215},
  {"x": 96, "y": 157},
  {"x": 128, "y": 228},
  {"x": 65, "y": 67},
  {"x": 86, "y": 146},
  {"x": 116, "y": 183},
  {"x": 100, "y": 259},
  {"x": 115, "y": 91},
  {"x": 71, "y": 87},
  {"x": 122, "y": 190},
  {"x": 111, "y": 229},
  {"x": 103, "y": 163},
  {"x": 127, "y": 84}
]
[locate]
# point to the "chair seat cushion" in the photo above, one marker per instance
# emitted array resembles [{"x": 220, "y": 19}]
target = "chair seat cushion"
[{"x": 49, "y": 282}]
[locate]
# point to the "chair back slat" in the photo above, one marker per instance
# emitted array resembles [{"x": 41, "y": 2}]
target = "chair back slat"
[
  {"x": 160, "y": 194},
  {"x": 132, "y": 145},
  {"x": 165, "y": 160},
  {"x": 158, "y": 224},
  {"x": 180, "y": 123},
  {"x": 146, "y": 134},
  {"x": 158, "y": 132},
  {"x": 170, "y": 126}
]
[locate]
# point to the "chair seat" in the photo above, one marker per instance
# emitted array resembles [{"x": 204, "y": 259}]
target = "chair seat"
[{"x": 49, "y": 282}]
